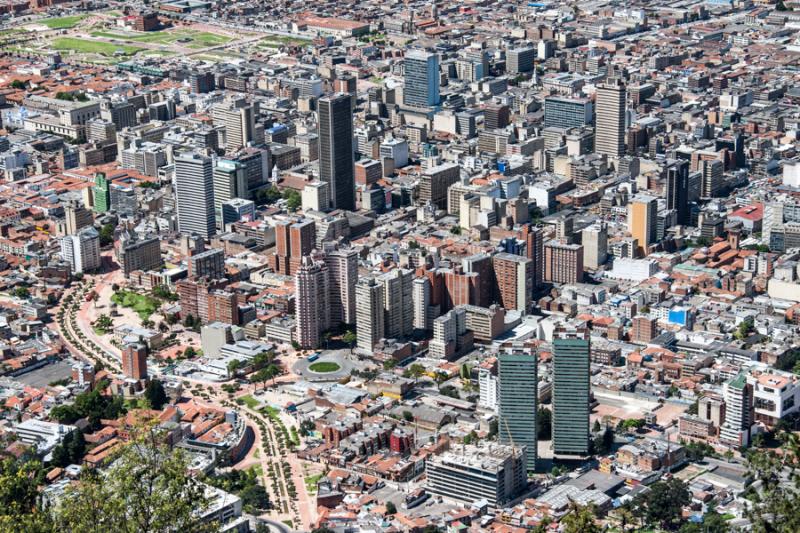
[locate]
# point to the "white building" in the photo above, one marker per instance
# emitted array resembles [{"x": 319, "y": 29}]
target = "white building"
[
  {"x": 487, "y": 383},
  {"x": 44, "y": 436},
  {"x": 82, "y": 250},
  {"x": 633, "y": 269}
]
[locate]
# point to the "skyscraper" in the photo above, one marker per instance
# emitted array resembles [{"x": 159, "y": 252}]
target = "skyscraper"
[
  {"x": 534, "y": 247},
  {"x": 514, "y": 276},
  {"x": 563, "y": 263},
  {"x": 571, "y": 393},
  {"x": 678, "y": 190},
  {"x": 397, "y": 303},
  {"x": 610, "y": 129},
  {"x": 369, "y": 313},
  {"x": 421, "y": 295},
  {"x": 342, "y": 278},
  {"x": 421, "y": 79},
  {"x": 517, "y": 374},
  {"x": 194, "y": 189},
  {"x": 311, "y": 302},
  {"x": 738, "y": 394},
  {"x": 238, "y": 118},
  {"x": 595, "y": 245},
  {"x": 336, "y": 165},
  {"x": 293, "y": 241},
  {"x": 102, "y": 193},
  {"x": 643, "y": 221},
  {"x": 712, "y": 178},
  {"x": 230, "y": 181}
]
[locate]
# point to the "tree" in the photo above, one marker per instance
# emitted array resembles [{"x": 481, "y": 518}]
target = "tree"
[
  {"x": 254, "y": 497},
  {"x": 147, "y": 323},
  {"x": 580, "y": 520},
  {"x": 455, "y": 230},
  {"x": 147, "y": 489},
  {"x": 780, "y": 6},
  {"x": 171, "y": 319},
  {"x": 106, "y": 234},
  {"x": 746, "y": 327},
  {"x": 471, "y": 438},
  {"x": 19, "y": 84},
  {"x": 22, "y": 292},
  {"x": 188, "y": 321},
  {"x": 233, "y": 367},
  {"x": 154, "y": 392},
  {"x": 19, "y": 496},
  {"x": 391, "y": 508},
  {"x": 544, "y": 423},
  {"x": 190, "y": 352},
  {"x": 389, "y": 364},
  {"x": 293, "y": 199},
  {"x": 662, "y": 505},
  {"x": 349, "y": 338},
  {"x": 775, "y": 488},
  {"x": 416, "y": 371},
  {"x": 408, "y": 416}
]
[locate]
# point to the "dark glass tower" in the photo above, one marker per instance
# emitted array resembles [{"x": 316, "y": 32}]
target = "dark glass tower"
[{"x": 336, "y": 150}]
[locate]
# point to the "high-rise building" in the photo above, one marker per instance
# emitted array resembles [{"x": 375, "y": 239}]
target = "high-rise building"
[
  {"x": 514, "y": 277},
  {"x": 342, "y": 278},
  {"x": 644, "y": 329},
  {"x": 238, "y": 116},
  {"x": 421, "y": 295},
  {"x": 494, "y": 474},
  {"x": 77, "y": 217},
  {"x": 202, "y": 82},
  {"x": 369, "y": 313},
  {"x": 678, "y": 190},
  {"x": 397, "y": 303},
  {"x": 139, "y": 254},
  {"x": 643, "y": 221},
  {"x": 336, "y": 165},
  {"x": 595, "y": 245},
  {"x": 102, "y": 193},
  {"x": 496, "y": 116},
  {"x": 293, "y": 241},
  {"x": 237, "y": 209},
  {"x": 230, "y": 181},
  {"x": 82, "y": 250},
  {"x": 435, "y": 181},
  {"x": 610, "y": 130},
  {"x": 209, "y": 263},
  {"x": 451, "y": 338},
  {"x": 712, "y": 178},
  {"x": 421, "y": 87},
  {"x": 194, "y": 189},
  {"x": 134, "y": 361},
  {"x": 517, "y": 396},
  {"x": 563, "y": 263},
  {"x": 566, "y": 113},
  {"x": 519, "y": 60},
  {"x": 534, "y": 248},
  {"x": 571, "y": 365},
  {"x": 738, "y": 394},
  {"x": 312, "y": 309}
]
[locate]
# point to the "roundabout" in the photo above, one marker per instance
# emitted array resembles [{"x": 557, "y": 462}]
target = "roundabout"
[{"x": 330, "y": 366}]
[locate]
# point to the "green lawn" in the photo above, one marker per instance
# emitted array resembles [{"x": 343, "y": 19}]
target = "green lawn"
[
  {"x": 189, "y": 38},
  {"x": 324, "y": 366},
  {"x": 62, "y": 23},
  {"x": 274, "y": 41},
  {"x": 311, "y": 483},
  {"x": 144, "y": 305},
  {"x": 93, "y": 47},
  {"x": 249, "y": 401}
]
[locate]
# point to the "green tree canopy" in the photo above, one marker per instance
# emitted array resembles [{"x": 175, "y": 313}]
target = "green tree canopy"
[{"x": 662, "y": 505}]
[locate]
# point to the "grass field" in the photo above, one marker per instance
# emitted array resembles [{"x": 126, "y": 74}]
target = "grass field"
[
  {"x": 249, "y": 401},
  {"x": 324, "y": 366},
  {"x": 274, "y": 41},
  {"x": 144, "y": 305},
  {"x": 93, "y": 47},
  {"x": 62, "y": 23},
  {"x": 188, "y": 38}
]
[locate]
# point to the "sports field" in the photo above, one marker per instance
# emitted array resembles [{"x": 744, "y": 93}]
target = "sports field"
[{"x": 81, "y": 46}]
